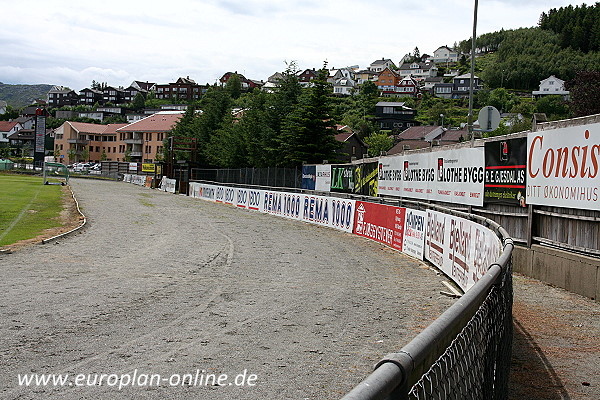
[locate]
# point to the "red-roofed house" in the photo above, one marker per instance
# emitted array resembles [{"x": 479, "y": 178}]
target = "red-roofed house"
[
  {"x": 7, "y": 128},
  {"x": 143, "y": 139},
  {"x": 82, "y": 142}
]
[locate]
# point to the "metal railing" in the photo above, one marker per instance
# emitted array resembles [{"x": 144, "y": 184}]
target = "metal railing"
[{"x": 465, "y": 353}]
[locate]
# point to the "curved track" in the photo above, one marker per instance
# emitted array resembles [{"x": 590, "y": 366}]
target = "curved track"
[{"x": 166, "y": 284}]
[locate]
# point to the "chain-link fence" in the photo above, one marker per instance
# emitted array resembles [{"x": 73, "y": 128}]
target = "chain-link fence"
[
  {"x": 270, "y": 176},
  {"x": 477, "y": 363},
  {"x": 463, "y": 354}
]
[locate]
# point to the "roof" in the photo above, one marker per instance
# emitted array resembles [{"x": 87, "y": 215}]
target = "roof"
[
  {"x": 23, "y": 134},
  {"x": 417, "y": 132},
  {"x": 112, "y": 128},
  {"x": 390, "y": 104},
  {"x": 413, "y": 144},
  {"x": 466, "y": 76},
  {"x": 343, "y": 136},
  {"x": 453, "y": 135},
  {"x": 6, "y": 126},
  {"x": 85, "y": 127},
  {"x": 382, "y": 61},
  {"x": 160, "y": 122}
]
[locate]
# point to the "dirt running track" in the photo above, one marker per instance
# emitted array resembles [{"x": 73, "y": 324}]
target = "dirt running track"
[{"x": 167, "y": 285}]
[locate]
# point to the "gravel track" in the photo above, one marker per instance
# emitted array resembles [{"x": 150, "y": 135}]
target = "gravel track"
[{"x": 169, "y": 285}]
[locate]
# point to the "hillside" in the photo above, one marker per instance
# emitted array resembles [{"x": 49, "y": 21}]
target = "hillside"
[{"x": 19, "y": 96}]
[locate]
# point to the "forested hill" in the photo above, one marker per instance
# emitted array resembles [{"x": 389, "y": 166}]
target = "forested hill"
[
  {"x": 578, "y": 27},
  {"x": 19, "y": 96},
  {"x": 521, "y": 58}
]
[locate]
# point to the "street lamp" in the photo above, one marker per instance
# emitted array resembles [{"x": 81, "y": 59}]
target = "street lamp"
[{"x": 442, "y": 117}]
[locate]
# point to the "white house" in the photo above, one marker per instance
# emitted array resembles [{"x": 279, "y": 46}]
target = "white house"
[
  {"x": 344, "y": 86},
  {"x": 380, "y": 65},
  {"x": 418, "y": 70},
  {"x": 445, "y": 54},
  {"x": 551, "y": 86},
  {"x": 7, "y": 128}
]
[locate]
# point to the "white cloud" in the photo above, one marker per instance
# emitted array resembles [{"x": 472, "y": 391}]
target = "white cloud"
[{"x": 61, "y": 42}]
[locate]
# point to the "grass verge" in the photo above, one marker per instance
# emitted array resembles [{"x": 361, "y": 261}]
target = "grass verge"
[{"x": 27, "y": 207}]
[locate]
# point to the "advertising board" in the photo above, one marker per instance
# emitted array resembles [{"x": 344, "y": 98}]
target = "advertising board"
[
  {"x": 505, "y": 171},
  {"x": 563, "y": 167},
  {"x": 384, "y": 224},
  {"x": 460, "y": 248}
]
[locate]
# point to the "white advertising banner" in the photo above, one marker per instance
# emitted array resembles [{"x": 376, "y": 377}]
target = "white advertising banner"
[
  {"x": 418, "y": 176},
  {"x": 390, "y": 175},
  {"x": 327, "y": 211},
  {"x": 168, "y": 185},
  {"x": 460, "y": 248},
  {"x": 323, "y": 179},
  {"x": 413, "y": 243},
  {"x": 452, "y": 176},
  {"x": 563, "y": 167},
  {"x": 203, "y": 191},
  {"x": 460, "y": 176}
]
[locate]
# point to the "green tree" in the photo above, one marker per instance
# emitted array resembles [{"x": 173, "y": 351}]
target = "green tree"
[
  {"x": 553, "y": 106},
  {"x": 585, "y": 93},
  {"x": 378, "y": 143},
  {"x": 139, "y": 102},
  {"x": 234, "y": 86},
  {"x": 308, "y": 133}
]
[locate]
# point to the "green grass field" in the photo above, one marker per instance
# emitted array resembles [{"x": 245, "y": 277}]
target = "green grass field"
[{"x": 27, "y": 207}]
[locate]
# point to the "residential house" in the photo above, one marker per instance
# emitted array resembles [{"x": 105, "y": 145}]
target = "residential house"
[
  {"x": 407, "y": 86},
  {"x": 445, "y": 54},
  {"x": 418, "y": 70},
  {"x": 273, "y": 82},
  {"x": 387, "y": 81},
  {"x": 459, "y": 88},
  {"x": 26, "y": 122},
  {"x": 365, "y": 75},
  {"x": 401, "y": 147},
  {"x": 138, "y": 87},
  {"x": 23, "y": 140},
  {"x": 395, "y": 116},
  {"x": 113, "y": 95},
  {"x": 415, "y": 137},
  {"x": 428, "y": 83},
  {"x": 352, "y": 146},
  {"x": 443, "y": 90},
  {"x": 426, "y": 133},
  {"x": 60, "y": 96},
  {"x": 247, "y": 84},
  {"x": 143, "y": 139},
  {"x": 380, "y": 65},
  {"x": 183, "y": 89},
  {"x": 551, "y": 86},
  {"x": 89, "y": 97},
  {"x": 7, "y": 128},
  {"x": 306, "y": 76},
  {"x": 77, "y": 142},
  {"x": 344, "y": 87},
  {"x": 451, "y": 136}
]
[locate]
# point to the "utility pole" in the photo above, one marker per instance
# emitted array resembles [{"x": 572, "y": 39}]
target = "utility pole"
[{"x": 473, "y": 39}]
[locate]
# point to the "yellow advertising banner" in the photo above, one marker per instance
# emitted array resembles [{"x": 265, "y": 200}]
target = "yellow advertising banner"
[{"x": 148, "y": 168}]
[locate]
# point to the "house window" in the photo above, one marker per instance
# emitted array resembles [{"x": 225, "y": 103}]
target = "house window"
[{"x": 551, "y": 83}]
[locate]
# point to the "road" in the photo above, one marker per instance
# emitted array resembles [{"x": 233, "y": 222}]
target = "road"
[{"x": 170, "y": 289}]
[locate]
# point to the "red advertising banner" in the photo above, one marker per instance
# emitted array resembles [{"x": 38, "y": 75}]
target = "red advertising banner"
[{"x": 379, "y": 222}]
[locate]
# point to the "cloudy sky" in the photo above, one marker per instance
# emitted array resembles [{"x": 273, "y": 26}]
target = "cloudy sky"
[{"x": 71, "y": 43}]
